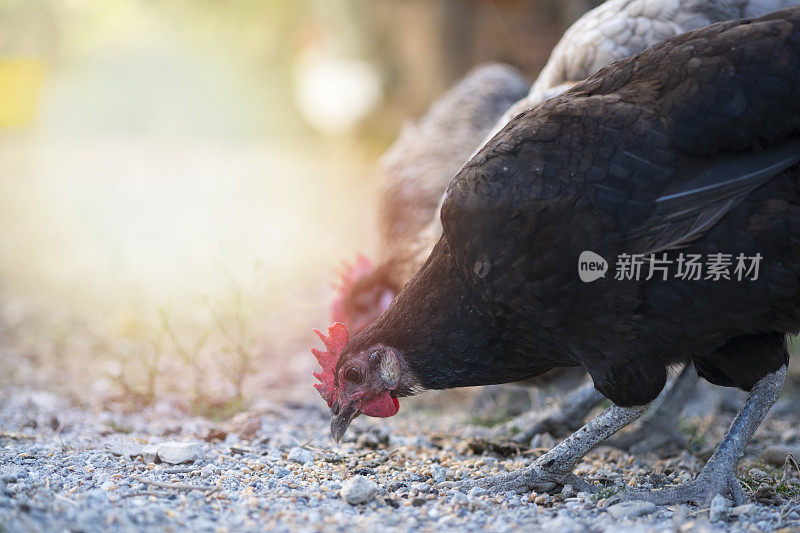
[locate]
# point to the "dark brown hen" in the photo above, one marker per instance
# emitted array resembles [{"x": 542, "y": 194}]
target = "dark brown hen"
[{"x": 690, "y": 147}]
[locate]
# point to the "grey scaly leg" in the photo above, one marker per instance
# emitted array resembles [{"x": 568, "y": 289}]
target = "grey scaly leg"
[
  {"x": 554, "y": 469},
  {"x": 564, "y": 418},
  {"x": 719, "y": 474},
  {"x": 659, "y": 426}
]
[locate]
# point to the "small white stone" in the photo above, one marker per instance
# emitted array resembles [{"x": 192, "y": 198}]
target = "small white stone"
[
  {"x": 124, "y": 448},
  {"x": 776, "y": 455},
  {"x": 720, "y": 508},
  {"x": 149, "y": 453},
  {"x": 300, "y": 456},
  {"x": 421, "y": 487},
  {"x": 476, "y": 492},
  {"x": 759, "y": 475},
  {"x": 458, "y": 498},
  {"x": 744, "y": 510},
  {"x": 439, "y": 473},
  {"x": 180, "y": 452},
  {"x": 631, "y": 509},
  {"x": 358, "y": 489}
]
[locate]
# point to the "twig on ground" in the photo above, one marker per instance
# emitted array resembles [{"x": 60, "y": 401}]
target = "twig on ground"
[
  {"x": 235, "y": 450},
  {"x": 209, "y": 489},
  {"x": 146, "y": 493},
  {"x": 65, "y": 499},
  {"x": 746, "y": 484},
  {"x": 787, "y": 467},
  {"x": 15, "y": 436},
  {"x": 534, "y": 450},
  {"x": 180, "y": 470}
]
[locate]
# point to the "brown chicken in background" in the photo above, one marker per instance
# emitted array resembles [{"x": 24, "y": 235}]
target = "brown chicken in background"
[{"x": 414, "y": 173}]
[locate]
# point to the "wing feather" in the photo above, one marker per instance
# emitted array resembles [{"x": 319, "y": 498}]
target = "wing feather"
[{"x": 687, "y": 211}]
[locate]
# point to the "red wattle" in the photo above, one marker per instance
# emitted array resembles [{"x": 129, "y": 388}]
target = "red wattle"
[{"x": 381, "y": 406}]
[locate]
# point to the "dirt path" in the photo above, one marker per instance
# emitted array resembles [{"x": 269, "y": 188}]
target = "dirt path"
[{"x": 69, "y": 468}]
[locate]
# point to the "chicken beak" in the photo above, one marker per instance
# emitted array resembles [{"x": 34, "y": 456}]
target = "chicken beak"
[{"x": 341, "y": 419}]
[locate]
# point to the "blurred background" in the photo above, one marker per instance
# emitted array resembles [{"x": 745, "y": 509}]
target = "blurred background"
[{"x": 180, "y": 179}]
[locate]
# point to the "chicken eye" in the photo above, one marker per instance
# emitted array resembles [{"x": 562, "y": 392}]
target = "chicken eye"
[{"x": 353, "y": 374}]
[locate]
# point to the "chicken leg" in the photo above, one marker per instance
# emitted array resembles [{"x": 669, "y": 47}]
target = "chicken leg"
[
  {"x": 554, "y": 468},
  {"x": 659, "y": 426},
  {"x": 563, "y": 418},
  {"x": 719, "y": 474}
]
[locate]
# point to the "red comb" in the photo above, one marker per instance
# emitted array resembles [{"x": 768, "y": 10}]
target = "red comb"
[
  {"x": 337, "y": 339},
  {"x": 348, "y": 275}
]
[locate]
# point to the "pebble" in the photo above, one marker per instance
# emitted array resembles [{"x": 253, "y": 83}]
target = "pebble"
[
  {"x": 476, "y": 492},
  {"x": 542, "y": 499},
  {"x": 439, "y": 473},
  {"x": 281, "y": 472},
  {"x": 395, "y": 486},
  {"x": 744, "y": 510},
  {"x": 300, "y": 456},
  {"x": 458, "y": 498},
  {"x": 421, "y": 487},
  {"x": 759, "y": 475},
  {"x": 149, "y": 453},
  {"x": 720, "y": 508},
  {"x": 776, "y": 455},
  {"x": 631, "y": 509},
  {"x": 180, "y": 452},
  {"x": 358, "y": 489},
  {"x": 124, "y": 448}
]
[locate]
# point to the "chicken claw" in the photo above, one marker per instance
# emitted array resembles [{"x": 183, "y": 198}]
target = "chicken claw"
[
  {"x": 659, "y": 427},
  {"x": 719, "y": 474},
  {"x": 554, "y": 469},
  {"x": 563, "y": 419}
]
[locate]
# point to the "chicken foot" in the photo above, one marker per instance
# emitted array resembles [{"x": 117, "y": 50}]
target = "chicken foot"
[
  {"x": 719, "y": 474},
  {"x": 564, "y": 418},
  {"x": 554, "y": 468},
  {"x": 659, "y": 427}
]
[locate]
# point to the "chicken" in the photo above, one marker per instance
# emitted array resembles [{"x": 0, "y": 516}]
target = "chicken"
[
  {"x": 419, "y": 166},
  {"x": 415, "y": 172},
  {"x": 690, "y": 148},
  {"x": 617, "y": 29}
]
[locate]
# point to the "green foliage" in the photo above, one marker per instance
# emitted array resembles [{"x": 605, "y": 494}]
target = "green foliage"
[
  {"x": 695, "y": 436},
  {"x": 605, "y": 493},
  {"x": 219, "y": 410},
  {"x": 116, "y": 427},
  {"x": 491, "y": 419},
  {"x": 790, "y": 490},
  {"x": 775, "y": 478}
]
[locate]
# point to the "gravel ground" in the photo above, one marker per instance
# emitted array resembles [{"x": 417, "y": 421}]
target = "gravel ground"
[{"x": 65, "y": 468}]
